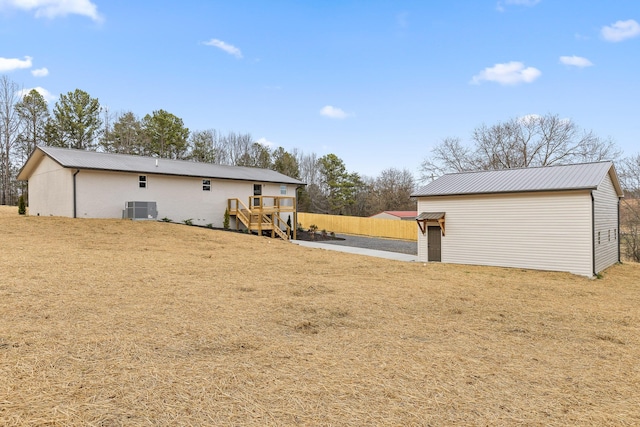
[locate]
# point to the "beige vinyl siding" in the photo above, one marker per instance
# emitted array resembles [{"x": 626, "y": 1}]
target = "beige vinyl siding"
[
  {"x": 51, "y": 190},
  {"x": 606, "y": 223},
  {"x": 545, "y": 231}
]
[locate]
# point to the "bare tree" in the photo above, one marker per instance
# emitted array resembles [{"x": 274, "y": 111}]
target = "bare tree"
[
  {"x": 519, "y": 143},
  {"x": 629, "y": 173},
  {"x": 236, "y": 146},
  {"x": 392, "y": 189},
  {"x": 10, "y": 123}
]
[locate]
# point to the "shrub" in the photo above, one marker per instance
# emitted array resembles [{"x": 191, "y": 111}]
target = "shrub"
[
  {"x": 165, "y": 219},
  {"x": 22, "y": 208},
  {"x": 188, "y": 221},
  {"x": 227, "y": 219},
  {"x": 209, "y": 225},
  {"x": 312, "y": 231}
]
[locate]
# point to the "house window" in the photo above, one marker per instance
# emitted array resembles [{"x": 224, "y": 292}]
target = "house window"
[
  {"x": 142, "y": 181},
  {"x": 206, "y": 185},
  {"x": 283, "y": 190}
]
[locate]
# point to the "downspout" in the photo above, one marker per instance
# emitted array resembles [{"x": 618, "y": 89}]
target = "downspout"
[
  {"x": 295, "y": 215},
  {"x": 618, "y": 231},
  {"x": 74, "y": 193},
  {"x": 593, "y": 235}
]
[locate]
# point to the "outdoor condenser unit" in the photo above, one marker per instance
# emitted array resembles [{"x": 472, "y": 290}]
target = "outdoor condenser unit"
[{"x": 140, "y": 210}]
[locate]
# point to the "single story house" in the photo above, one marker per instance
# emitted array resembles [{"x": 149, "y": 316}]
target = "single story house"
[
  {"x": 558, "y": 218},
  {"x": 89, "y": 184},
  {"x": 401, "y": 215}
]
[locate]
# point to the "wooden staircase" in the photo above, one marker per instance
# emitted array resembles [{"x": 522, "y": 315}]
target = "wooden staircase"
[{"x": 264, "y": 215}]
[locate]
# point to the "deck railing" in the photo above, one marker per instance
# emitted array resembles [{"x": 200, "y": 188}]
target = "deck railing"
[{"x": 263, "y": 214}]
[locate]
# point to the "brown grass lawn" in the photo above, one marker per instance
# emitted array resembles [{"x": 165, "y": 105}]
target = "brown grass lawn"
[{"x": 112, "y": 322}]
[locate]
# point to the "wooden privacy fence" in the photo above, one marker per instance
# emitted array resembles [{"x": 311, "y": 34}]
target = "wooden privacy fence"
[{"x": 374, "y": 227}]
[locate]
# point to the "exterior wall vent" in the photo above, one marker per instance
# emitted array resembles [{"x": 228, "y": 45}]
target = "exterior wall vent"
[{"x": 140, "y": 210}]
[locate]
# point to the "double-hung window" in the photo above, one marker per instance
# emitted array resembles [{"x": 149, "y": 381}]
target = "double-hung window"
[
  {"x": 142, "y": 181},
  {"x": 206, "y": 185}
]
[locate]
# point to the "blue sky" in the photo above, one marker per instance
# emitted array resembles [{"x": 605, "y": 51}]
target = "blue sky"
[{"x": 378, "y": 83}]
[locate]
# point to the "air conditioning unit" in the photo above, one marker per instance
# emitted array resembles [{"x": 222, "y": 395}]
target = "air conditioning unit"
[{"x": 140, "y": 210}]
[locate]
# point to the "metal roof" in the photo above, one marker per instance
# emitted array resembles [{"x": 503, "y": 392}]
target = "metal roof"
[
  {"x": 584, "y": 176},
  {"x": 426, "y": 216},
  {"x": 80, "y": 159}
]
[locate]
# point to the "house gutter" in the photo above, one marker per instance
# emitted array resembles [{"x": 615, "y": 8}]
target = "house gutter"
[
  {"x": 593, "y": 235},
  {"x": 74, "y": 193}
]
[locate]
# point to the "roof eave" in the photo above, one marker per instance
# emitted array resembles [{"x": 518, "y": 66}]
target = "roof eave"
[
  {"x": 551, "y": 190},
  {"x": 71, "y": 166}
]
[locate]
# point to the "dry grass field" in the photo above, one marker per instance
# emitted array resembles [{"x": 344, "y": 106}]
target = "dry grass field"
[{"x": 112, "y": 322}]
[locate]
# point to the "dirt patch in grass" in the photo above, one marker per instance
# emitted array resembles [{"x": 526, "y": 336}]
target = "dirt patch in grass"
[{"x": 113, "y": 322}]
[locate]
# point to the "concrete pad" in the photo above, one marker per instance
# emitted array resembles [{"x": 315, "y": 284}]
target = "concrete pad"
[{"x": 358, "y": 251}]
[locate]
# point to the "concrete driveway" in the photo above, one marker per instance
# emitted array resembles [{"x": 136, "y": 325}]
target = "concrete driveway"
[{"x": 398, "y": 250}]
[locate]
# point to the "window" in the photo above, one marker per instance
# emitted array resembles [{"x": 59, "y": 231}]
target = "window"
[
  {"x": 142, "y": 181},
  {"x": 283, "y": 190},
  {"x": 598, "y": 237},
  {"x": 206, "y": 185}
]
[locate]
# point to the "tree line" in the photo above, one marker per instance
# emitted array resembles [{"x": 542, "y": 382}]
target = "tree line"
[{"x": 78, "y": 121}]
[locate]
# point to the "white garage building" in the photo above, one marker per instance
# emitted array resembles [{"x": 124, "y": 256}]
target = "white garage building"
[{"x": 559, "y": 218}]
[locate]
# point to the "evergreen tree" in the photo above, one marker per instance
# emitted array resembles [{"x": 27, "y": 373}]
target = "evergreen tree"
[
  {"x": 125, "y": 137},
  {"x": 285, "y": 163},
  {"x": 22, "y": 208},
  {"x": 34, "y": 113},
  {"x": 76, "y": 121},
  {"x": 166, "y": 135}
]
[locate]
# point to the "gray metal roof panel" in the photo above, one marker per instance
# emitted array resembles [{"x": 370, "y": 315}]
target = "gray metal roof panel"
[
  {"x": 150, "y": 165},
  {"x": 551, "y": 178},
  {"x": 430, "y": 216}
]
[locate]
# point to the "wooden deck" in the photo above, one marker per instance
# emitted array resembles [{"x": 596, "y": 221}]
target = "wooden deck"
[{"x": 264, "y": 214}]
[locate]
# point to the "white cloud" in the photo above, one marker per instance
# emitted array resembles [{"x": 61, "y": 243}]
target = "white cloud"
[
  {"x": 264, "y": 142},
  {"x": 621, "y": 30},
  {"x": 230, "y": 49},
  {"x": 42, "y": 91},
  {"x": 510, "y": 73},
  {"x": 333, "y": 112},
  {"x": 54, "y": 8},
  {"x": 10, "y": 64},
  {"x": 40, "y": 72},
  {"x": 529, "y": 118},
  {"x": 576, "y": 61}
]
